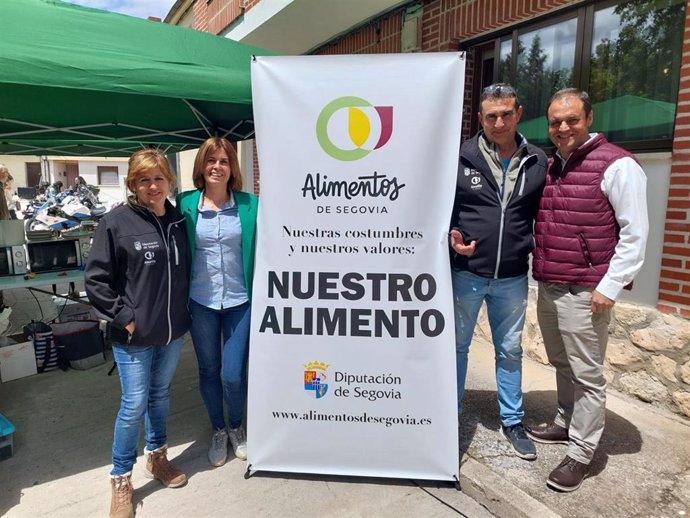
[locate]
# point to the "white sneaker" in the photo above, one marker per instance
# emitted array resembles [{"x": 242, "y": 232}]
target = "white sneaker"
[
  {"x": 218, "y": 451},
  {"x": 238, "y": 439}
]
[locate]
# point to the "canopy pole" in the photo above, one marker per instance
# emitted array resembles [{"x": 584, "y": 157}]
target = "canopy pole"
[
  {"x": 199, "y": 116},
  {"x": 45, "y": 128}
]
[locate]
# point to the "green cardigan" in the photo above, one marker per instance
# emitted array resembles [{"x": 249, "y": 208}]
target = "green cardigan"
[{"x": 247, "y": 206}]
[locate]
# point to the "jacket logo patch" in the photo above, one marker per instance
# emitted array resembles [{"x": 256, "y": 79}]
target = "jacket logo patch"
[
  {"x": 476, "y": 182},
  {"x": 137, "y": 245},
  {"x": 469, "y": 171},
  {"x": 150, "y": 257}
]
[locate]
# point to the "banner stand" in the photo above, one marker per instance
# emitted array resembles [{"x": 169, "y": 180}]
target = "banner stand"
[
  {"x": 455, "y": 482},
  {"x": 352, "y": 349}
]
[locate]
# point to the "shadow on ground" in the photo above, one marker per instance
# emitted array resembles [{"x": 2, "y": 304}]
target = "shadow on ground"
[
  {"x": 50, "y": 408},
  {"x": 620, "y": 436}
]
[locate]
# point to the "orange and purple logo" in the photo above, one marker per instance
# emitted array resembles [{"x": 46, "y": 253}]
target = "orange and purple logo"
[{"x": 349, "y": 128}]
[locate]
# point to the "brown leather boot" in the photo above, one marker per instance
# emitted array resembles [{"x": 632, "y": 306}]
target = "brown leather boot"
[
  {"x": 568, "y": 475},
  {"x": 548, "y": 434},
  {"x": 159, "y": 467},
  {"x": 121, "y": 501}
]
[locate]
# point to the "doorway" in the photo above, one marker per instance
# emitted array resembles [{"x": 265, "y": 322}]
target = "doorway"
[{"x": 33, "y": 174}]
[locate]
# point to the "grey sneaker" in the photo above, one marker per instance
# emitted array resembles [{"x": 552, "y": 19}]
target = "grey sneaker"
[
  {"x": 238, "y": 439},
  {"x": 218, "y": 451},
  {"x": 523, "y": 445}
]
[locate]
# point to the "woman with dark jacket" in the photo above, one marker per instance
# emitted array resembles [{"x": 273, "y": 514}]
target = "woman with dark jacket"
[
  {"x": 136, "y": 279},
  {"x": 221, "y": 224}
]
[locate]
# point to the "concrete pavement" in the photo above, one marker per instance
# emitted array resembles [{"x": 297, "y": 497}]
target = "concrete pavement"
[
  {"x": 62, "y": 457},
  {"x": 641, "y": 468}
]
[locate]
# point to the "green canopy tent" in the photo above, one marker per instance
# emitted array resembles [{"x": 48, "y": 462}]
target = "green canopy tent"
[
  {"x": 621, "y": 119},
  {"x": 80, "y": 81}
]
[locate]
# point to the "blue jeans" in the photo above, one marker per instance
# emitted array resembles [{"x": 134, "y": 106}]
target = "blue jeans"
[
  {"x": 222, "y": 365},
  {"x": 146, "y": 372},
  {"x": 506, "y": 302}
]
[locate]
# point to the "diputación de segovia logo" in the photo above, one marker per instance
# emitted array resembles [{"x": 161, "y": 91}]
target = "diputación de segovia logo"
[
  {"x": 352, "y": 126},
  {"x": 315, "y": 377}
]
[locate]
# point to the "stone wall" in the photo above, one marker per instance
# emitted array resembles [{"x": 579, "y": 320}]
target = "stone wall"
[{"x": 648, "y": 354}]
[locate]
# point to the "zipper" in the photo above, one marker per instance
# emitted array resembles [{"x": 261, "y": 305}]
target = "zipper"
[
  {"x": 585, "y": 249},
  {"x": 500, "y": 240},
  {"x": 522, "y": 174},
  {"x": 167, "y": 262},
  {"x": 171, "y": 238},
  {"x": 177, "y": 254}
]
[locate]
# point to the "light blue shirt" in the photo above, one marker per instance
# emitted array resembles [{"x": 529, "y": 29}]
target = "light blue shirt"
[{"x": 217, "y": 272}]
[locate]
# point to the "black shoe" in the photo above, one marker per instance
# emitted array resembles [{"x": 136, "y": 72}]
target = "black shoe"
[
  {"x": 516, "y": 436},
  {"x": 548, "y": 434},
  {"x": 568, "y": 475}
]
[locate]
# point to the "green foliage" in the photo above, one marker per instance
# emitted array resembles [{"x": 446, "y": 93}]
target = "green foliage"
[
  {"x": 644, "y": 60},
  {"x": 536, "y": 76}
]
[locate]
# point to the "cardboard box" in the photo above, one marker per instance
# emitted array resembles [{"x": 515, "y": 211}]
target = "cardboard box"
[
  {"x": 6, "y": 434},
  {"x": 17, "y": 359}
]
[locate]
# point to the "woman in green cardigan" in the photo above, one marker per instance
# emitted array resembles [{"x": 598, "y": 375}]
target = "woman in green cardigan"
[{"x": 221, "y": 225}]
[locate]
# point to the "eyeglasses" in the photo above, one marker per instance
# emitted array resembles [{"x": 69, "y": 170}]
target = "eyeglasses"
[{"x": 500, "y": 90}]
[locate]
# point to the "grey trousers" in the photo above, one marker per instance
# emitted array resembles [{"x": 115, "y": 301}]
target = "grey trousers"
[{"x": 575, "y": 340}]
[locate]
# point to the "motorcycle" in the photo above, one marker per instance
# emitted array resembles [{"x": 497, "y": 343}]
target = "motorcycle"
[{"x": 72, "y": 212}]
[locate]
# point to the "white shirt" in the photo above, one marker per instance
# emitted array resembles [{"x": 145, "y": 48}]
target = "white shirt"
[{"x": 625, "y": 186}]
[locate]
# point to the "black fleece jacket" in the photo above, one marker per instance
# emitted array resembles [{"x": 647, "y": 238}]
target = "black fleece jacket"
[
  {"x": 137, "y": 270},
  {"x": 504, "y": 234}
]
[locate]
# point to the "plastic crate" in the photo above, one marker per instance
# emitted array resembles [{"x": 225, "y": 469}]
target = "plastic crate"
[{"x": 6, "y": 435}]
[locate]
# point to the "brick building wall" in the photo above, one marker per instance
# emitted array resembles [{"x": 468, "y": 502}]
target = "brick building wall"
[
  {"x": 379, "y": 37},
  {"x": 215, "y": 16},
  {"x": 201, "y": 17},
  {"x": 674, "y": 285},
  {"x": 255, "y": 161},
  {"x": 447, "y": 23}
]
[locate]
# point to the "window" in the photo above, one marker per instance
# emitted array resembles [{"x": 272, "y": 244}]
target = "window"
[
  {"x": 108, "y": 175},
  {"x": 634, "y": 69},
  {"x": 545, "y": 64},
  {"x": 626, "y": 55}
]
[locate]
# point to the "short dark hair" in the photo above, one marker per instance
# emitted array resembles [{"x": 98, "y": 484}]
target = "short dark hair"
[
  {"x": 499, "y": 91},
  {"x": 576, "y": 92}
]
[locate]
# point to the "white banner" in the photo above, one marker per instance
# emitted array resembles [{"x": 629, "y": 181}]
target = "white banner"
[{"x": 352, "y": 355}]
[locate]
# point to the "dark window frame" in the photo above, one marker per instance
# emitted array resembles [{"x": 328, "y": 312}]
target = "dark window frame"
[{"x": 584, "y": 13}]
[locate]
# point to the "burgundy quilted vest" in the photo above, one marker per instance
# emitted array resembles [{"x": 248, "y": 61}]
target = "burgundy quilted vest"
[{"x": 576, "y": 230}]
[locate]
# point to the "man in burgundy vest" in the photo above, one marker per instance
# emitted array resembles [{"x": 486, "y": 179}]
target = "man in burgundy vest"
[{"x": 591, "y": 232}]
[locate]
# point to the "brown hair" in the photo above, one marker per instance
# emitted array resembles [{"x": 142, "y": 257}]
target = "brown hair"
[
  {"x": 144, "y": 161},
  {"x": 209, "y": 146}
]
